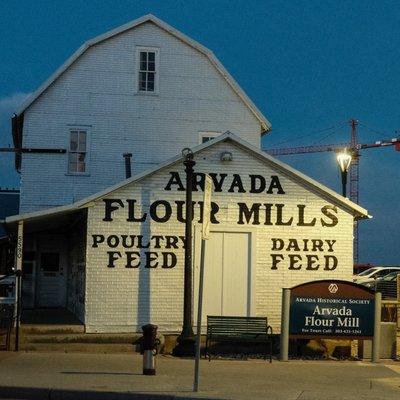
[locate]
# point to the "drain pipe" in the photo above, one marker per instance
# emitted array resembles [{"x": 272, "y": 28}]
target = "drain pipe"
[{"x": 128, "y": 171}]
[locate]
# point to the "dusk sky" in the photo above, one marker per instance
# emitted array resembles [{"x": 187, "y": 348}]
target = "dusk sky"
[{"x": 309, "y": 66}]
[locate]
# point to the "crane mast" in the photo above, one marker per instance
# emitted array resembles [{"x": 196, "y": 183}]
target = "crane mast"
[{"x": 354, "y": 147}]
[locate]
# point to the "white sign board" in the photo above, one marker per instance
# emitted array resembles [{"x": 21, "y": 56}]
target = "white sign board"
[
  {"x": 207, "y": 207},
  {"x": 20, "y": 240}
]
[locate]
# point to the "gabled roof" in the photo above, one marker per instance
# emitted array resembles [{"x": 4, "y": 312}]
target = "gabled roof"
[
  {"x": 285, "y": 169},
  {"x": 161, "y": 24}
]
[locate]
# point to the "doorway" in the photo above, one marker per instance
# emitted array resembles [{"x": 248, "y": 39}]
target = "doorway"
[
  {"x": 228, "y": 274},
  {"x": 51, "y": 280}
]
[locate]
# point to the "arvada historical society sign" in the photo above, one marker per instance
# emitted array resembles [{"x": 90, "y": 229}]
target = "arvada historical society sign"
[{"x": 331, "y": 308}]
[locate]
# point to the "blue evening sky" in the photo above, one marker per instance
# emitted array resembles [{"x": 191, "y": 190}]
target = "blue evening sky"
[{"x": 308, "y": 65}]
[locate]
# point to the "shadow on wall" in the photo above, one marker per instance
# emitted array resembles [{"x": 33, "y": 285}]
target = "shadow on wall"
[{"x": 143, "y": 303}]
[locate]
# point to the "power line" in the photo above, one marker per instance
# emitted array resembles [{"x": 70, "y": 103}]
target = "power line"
[{"x": 341, "y": 124}]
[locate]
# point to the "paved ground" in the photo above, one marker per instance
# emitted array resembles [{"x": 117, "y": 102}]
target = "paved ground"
[{"x": 221, "y": 379}]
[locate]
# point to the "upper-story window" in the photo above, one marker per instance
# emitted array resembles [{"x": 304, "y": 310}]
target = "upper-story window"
[
  {"x": 206, "y": 136},
  {"x": 147, "y": 67},
  {"x": 77, "y": 155}
]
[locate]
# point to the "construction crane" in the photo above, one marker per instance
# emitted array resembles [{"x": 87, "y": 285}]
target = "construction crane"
[{"x": 353, "y": 147}]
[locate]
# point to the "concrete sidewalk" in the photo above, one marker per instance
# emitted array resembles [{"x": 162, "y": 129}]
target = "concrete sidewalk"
[{"x": 78, "y": 376}]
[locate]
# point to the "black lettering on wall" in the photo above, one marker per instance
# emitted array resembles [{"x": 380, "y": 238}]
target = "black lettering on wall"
[
  {"x": 249, "y": 214},
  {"x": 302, "y": 222},
  {"x": 293, "y": 260},
  {"x": 109, "y": 208},
  {"x": 275, "y": 184},
  {"x": 155, "y": 211},
  {"x": 257, "y": 184},
  {"x": 97, "y": 239},
  {"x": 236, "y": 183},
  {"x": 327, "y": 211},
  {"x": 175, "y": 180},
  {"x": 276, "y": 259},
  {"x": 279, "y": 216},
  {"x": 277, "y": 244},
  {"x": 169, "y": 259},
  {"x": 131, "y": 257},
  {"x": 131, "y": 212},
  {"x": 112, "y": 241},
  {"x": 311, "y": 260},
  {"x": 218, "y": 182},
  {"x": 198, "y": 181},
  {"x": 214, "y": 212},
  {"x": 331, "y": 262},
  {"x": 268, "y": 214},
  {"x": 112, "y": 257},
  {"x": 151, "y": 259},
  {"x": 128, "y": 241}
]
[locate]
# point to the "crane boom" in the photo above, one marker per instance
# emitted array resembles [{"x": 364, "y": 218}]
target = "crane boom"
[
  {"x": 306, "y": 149},
  {"x": 354, "y": 147},
  {"x": 331, "y": 147}
]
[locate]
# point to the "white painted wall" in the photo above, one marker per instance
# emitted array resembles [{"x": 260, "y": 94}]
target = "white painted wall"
[
  {"x": 121, "y": 300},
  {"x": 99, "y": 91}
]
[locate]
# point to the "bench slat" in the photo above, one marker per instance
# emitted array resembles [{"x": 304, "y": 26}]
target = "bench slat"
[{"x": 238, "y": 329}]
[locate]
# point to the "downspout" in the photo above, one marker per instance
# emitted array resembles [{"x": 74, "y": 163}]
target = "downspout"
[{"x": 17, "y": 123}]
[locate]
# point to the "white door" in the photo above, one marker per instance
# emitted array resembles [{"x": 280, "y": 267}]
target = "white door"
[
  {"x": 227, "y": 275},
  {"x": 28, "y": 279},
  {"x": 51, "y": 280}
]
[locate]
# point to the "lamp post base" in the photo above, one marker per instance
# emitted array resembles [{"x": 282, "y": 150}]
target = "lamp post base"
[{"x": 186, "y": 346}]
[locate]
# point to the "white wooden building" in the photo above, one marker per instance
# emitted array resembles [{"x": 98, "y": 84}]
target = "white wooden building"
[
  {"x": 115, "y": 258},
  {"x": 143, "y": 88}
]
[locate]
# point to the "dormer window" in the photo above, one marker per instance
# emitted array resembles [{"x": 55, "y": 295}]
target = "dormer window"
[{"x": 147, "y": 69}]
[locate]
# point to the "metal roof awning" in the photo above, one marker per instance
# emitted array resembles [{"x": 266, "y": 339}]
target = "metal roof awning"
[{"x": 53, "y": 219}]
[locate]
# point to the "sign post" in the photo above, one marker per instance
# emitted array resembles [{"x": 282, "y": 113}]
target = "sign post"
[
  {"x": 18, "y": 281},
  {"x": 205, "y": 234},
  {"x": 376, "y": 341},
  {"x": 285, "y": 316}
]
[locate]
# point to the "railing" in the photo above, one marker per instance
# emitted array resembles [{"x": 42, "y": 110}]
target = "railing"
[
  {"x": 387, "y": 288},
  {"x": 389, "y": 311},
  {"x": 7, "y": 285},
  {"x": 17, "y": 301}
]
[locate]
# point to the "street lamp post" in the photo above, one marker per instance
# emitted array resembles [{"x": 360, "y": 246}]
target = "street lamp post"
[
  {"x": 344, "y": 161},
  {"x": 186, "y": 340}
]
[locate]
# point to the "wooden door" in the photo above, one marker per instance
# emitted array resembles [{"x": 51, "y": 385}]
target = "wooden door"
[{"x": 227, "y": 275}]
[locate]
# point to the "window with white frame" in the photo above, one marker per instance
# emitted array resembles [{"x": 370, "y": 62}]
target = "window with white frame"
[
  {"x": 77, "y": 154},
  {"x": 147, "y": 69},
  {"x": 206, "y": 136}
]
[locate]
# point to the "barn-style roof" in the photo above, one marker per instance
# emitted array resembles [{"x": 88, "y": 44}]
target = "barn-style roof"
[{"x": 163, "y": 25}]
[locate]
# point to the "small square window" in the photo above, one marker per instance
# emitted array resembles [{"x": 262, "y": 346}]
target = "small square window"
[
  {"x": 207, "y": 136},
  {"x": 50, "y": 262}
]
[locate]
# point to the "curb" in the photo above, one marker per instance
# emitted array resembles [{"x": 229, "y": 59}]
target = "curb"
[{"x": 27, "y": 393}]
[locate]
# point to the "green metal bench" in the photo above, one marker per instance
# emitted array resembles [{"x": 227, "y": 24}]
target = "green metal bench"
[{"x": 238, "y": 329}]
